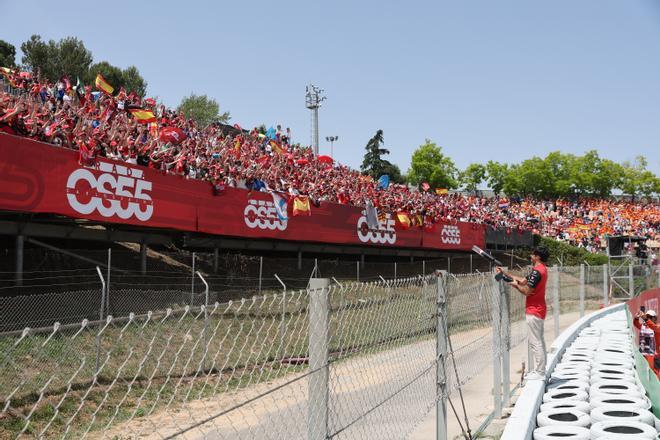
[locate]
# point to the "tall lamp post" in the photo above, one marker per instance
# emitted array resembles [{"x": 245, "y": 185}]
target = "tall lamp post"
[
  {"x": 313, "y": 101},
  {"x": 332, "y": 140}
]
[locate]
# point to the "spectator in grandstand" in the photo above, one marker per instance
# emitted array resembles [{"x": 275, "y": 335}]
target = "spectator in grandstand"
[
  {"x": 100, "y": 125},
  {"x": 533, "y": 288}
]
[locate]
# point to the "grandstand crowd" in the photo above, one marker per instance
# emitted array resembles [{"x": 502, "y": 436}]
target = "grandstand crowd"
[{"x": 101, "y": 125}]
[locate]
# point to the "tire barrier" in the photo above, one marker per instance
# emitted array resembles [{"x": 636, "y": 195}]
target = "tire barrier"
[
  {"x": 622, "y": 430},
  {"x": 622, "y": 402},
  {"x": 614, "y": 413},
  {"x": 563, "y": 432},
  {"x": 554, "y": 395},
  {"x": 570, "y": 385},
  {"x": 563, "y": 417},
  {"x": 580, "y": 405}
]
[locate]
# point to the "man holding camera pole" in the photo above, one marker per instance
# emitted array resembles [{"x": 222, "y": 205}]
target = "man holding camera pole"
[{"x": 533, "y": 288}]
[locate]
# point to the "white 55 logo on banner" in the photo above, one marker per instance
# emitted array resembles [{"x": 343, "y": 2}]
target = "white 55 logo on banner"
[
  {"x": 119, "y": 190},
  {"x": 384, "y": 234},
  {"x": 263, "y": 215},
  {"x": 450, "y": 234}
]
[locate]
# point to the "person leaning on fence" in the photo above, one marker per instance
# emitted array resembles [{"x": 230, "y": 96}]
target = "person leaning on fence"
[{"x": 533, "y": 287}]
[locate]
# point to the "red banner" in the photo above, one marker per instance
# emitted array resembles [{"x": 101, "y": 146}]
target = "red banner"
[{"x": 40, "y": 178}]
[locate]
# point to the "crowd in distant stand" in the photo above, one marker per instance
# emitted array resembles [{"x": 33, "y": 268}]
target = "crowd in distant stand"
[{"x": 101, "y": 125}]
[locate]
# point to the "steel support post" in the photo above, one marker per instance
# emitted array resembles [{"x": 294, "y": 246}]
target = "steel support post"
[
  {"x": 441, "y": 358},
  {"x": 318, "y": 387}
]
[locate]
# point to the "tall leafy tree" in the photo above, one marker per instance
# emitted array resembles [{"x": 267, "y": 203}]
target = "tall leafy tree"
[
  {"x": 428, "y": 164},
  {"x": 133, "y": 81},
  {"x": 496, "y": 174},
  {"x": 7, "y": 54},
  {"x": 52, "y": 59},
  {"x": 472, "y": 176},
  {"x": 373, "y": 163},
  {"x": 637, "y": 180},
  {"x": 202, "y": 109}
]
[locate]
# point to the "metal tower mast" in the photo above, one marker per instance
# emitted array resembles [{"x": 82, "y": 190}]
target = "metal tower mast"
[{"x": 313, "y": 101}]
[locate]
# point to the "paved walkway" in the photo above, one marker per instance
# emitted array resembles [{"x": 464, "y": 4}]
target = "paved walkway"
[{"x": 477, "y": 393}]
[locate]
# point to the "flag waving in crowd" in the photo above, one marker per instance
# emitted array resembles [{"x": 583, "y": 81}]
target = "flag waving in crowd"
[
  {"x": 301, "y": 206},
  {"x": 103, "y": 85},
  {"x": 143, "y": 116}
]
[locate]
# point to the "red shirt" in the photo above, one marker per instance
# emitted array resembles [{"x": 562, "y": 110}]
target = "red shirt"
[{"x": 535, "y": 303}]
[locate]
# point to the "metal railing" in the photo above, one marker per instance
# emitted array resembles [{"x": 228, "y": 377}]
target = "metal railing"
[{"x": 346, "y": 361}]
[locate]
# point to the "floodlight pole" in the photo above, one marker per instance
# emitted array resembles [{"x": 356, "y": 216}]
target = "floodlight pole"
[{"x": 313, "y": 101}]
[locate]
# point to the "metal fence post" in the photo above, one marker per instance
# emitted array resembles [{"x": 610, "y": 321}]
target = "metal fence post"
[
  {"x": 631, "y": 280},
  {"x": 497, "y": 364},
  {"x": 423, "y": 268},
  {"x": 317, "y": 423},
  {"x": 441, "y": 355},
  {"x": 555, "y": 298},
  {"x": 357, "y": 263},
  {"x": 98, "y": 335},
  {"x": 282, "y": 322},
  {"x": 606, "y": 296},
  {"x": 395, "y": 271},
  {"x": 216, "y": 258},
  {"x": 192, "y": 282},
  {"x": 581, "y": 290},
  {"x": 506, "y": 336},
  {"x": 261, "y": 271},
  {"x": 20, "y": 252},
  {"x": 206, "y": 317},
  {"x": 107, "y": 287}
]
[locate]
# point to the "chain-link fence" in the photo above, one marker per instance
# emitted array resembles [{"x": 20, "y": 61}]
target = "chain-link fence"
[{"x": 347, "y": 360}]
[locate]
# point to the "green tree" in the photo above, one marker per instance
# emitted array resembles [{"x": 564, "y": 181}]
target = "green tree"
[
  {"x": 133, "y": 81},
  {"x": 532, "y": 177},
  {"x": 373, "y": 164},
  {"x": 428, "y": 164},
  {"x": 7, "y": 54},
  {"x": 594, "y": 176},
  {"x": 38, "y": 57},
  {"x": 53, "y": 59},
  {"x": 202, "y": 109},
  {"x": 496, "y": 174},
  {"x": 472, "y": 176},
  {"x": 112, "y": 74},
  {"x": 637, "y": 180}
]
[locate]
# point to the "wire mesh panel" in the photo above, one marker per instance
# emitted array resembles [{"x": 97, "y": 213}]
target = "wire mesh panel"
[{"x": 382, "y": 357}]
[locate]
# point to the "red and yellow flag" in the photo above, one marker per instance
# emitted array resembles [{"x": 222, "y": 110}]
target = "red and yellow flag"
[
  {"x": 143, "y": 116},
  {"x": 441, "y": 191},
  {"x": 301, "y": 206},
  {"x": 276, "y": 147},
  {"x": 403, "y": 219},
  {"x": 103, "y": 85}
]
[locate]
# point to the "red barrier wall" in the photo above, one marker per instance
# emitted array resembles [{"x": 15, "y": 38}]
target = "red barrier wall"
[{"x": 40, "y": 178}]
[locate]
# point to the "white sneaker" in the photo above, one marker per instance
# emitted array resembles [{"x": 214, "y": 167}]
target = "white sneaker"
[{"x": 533, "y": 375}]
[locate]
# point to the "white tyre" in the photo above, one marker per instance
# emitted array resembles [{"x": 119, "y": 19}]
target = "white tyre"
[
  {"x": 561, "y": 431},
  {"x": 622, "y": 430},
  {"x": 596, "y": 378},
  {"x": 580, "y": 405},
  {"x": 563, "y": 417},
  {"x": 571, "y": 366},
  {"x": 581, "y": 385},
  {"x": 623, "y": 402},
  {"x": 614, "y": 387},
  {"x": 570, "y": 375},
  {"x": 614, "y": 413},
  {"x": 554, "y": 395},
  {"x": 606, "y": 364}
]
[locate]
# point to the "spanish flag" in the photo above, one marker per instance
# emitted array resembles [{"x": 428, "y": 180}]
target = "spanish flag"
[
  {"x": 276, "y": 147},
  {"x": 403, "y": 219},
  {"x": 441, "y": 191},
  {"x": 143, "y": 116},
  {"x": 102, "y": 85},
  {"x": 301, "y": 206}
]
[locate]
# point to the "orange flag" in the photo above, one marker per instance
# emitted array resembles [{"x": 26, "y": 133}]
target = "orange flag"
[{"x": 403, "y": 219}]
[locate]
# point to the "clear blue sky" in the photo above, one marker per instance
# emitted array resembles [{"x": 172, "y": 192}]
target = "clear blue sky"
[{"x": 484, "y": 79}]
